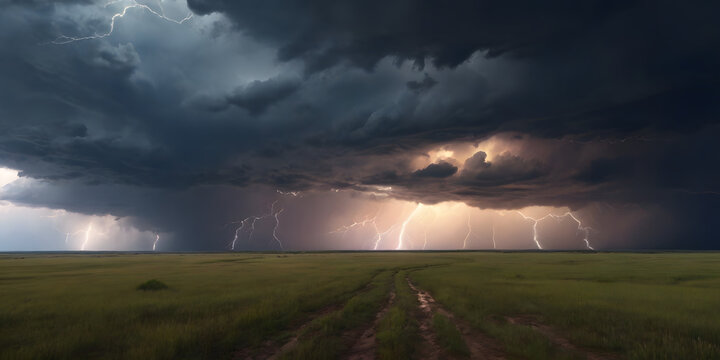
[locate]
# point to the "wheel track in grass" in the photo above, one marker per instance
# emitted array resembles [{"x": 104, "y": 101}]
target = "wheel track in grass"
[
  {"x": 481, "y": 346},
  {"x": 361, "y": 340},
  {"x": 558, "y": 339},
  {"x": 430, "y": 348},
  {"x": 273, "y": 350},
  {"x": 365, "y": 348}
]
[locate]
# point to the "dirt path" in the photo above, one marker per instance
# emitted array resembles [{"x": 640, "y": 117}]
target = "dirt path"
[
  {"x": 557, "y": 339},
  {"x": 366, "y": 345},
  {"x": 480, "y": 345},
  {"x": 272, "y": 350},
  {"x": 430, "y": 348}
]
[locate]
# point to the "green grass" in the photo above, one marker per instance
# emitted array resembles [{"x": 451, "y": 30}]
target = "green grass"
[
  {"x": 87, "y": 306},
  {"x": 643, "y": 306},
  {"x": 640, "y": 306},
  {"x": 397, "y": 333},
  {"x": 152, "y": 285},
  {"x": 449, "y": 336},
  {"x": 324, "y": 339}
]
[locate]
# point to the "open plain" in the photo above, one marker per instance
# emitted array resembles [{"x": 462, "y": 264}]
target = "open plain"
[{"x": 360, "y": 305}]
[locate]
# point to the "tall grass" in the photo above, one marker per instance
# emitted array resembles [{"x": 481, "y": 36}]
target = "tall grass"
[
  {"x": 72, "y": 307},
  {"x": 449, "y": 336},
  {"x": 324, "y": 338},
  {"x": 645, "y": 306},
  {"x": 642, "y": 306},
  {"x": 397, "y": 333}
]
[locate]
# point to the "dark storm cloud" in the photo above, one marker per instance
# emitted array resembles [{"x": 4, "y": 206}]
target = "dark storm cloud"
[
  {"x": 325, "y": 33},
  {"x": 440, "y": 170},
  {"x": 259, "y": 95},
  {"x": 426, "y": 83},
  {"x": 616, "y": 101},
  {"x": 505, "y": 169}
]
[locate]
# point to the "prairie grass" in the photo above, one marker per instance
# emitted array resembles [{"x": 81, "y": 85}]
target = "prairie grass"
[
  {"x": 449, "y": 336},
  {"x": 397, "y": 333},
  {"x": 639, "y": 306},
  {"x": 323, "y": 338},
  {"x": 152, "y": 285}
]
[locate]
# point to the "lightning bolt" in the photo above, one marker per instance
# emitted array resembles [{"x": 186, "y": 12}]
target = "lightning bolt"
[
  {"x": 249, "y": 223},
  {"x": 404, "y": 225},
  {"x": 64, "y": 39},
  {"x": 427, "y": 225},
  {"x": 380, "y": 235},
  {"x": 70, "y": 235},
  {"x": 277, "y": 225},
  {"x": 493, "y": 236},
  {"x": 355, "y": 225},
  {"x": 157, "y": 238},
  {"x": 585, "y": 230},
  {"x": 535, "y": 222},
  {"x": 468, "y": 233},
  {"x": 87, "y": 237},
  {"x": 290, "y": 193},
  {"x": 240, "y": 228}
]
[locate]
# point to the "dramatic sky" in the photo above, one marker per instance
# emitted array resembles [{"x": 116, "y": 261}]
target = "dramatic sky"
[{"x": 301, "y": 125}]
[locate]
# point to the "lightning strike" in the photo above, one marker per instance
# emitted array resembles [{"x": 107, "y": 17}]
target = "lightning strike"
[
  {"x": 277, "y": 225},
  {"x": 380, "y": 235},
  {"x": 87, "y": 237},
  {"x": 493, "y": 236},
  {"x": 535, "y": 222},
  {"x": 355, "y": 225},
  {"x": 404, "y": 225},
  {"x": 64, "y": 39},
  {"x": 290, "y": 193},
  {"x": 467, "y": 236},
  {"x": 157, "y": 238},
  {"x": 584, "y": 229},
  {"x": 427, "y": 225},
  {"x": 248, "y": 225}
]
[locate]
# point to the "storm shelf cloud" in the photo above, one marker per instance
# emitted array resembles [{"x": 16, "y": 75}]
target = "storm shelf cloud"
[{"x": 191, "y": 116}]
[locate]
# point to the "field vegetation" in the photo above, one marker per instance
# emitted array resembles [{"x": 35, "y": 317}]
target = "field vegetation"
[{"x": 317, "y": 305}]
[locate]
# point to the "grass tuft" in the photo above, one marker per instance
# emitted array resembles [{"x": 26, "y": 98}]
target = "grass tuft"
[
  {"x": 397, "y": 334},
  {"x": 152, "y": 285},
  {"x": 449, "y": 336}
]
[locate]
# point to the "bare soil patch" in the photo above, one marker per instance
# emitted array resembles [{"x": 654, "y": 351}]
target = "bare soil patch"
[
  {"x": 481, "y": 346},
  {"x": 366, "y": 345}
]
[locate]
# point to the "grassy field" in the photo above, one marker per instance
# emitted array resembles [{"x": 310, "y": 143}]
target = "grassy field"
[{"x": 239, "y": 305}]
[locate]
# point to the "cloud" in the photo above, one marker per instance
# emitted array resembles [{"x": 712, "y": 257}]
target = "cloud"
[
  {"x": 426, "y": 83},
  {"x": 257, "y": 96},
  {"x": 592, "y": 102},
  {"x": 506, "y": 168},
  {"x": 441, "y": 169},
  {"x": 328, "y": 33}
]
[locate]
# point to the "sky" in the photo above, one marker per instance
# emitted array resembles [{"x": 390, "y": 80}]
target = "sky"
[{"x": 212, "y": 125}]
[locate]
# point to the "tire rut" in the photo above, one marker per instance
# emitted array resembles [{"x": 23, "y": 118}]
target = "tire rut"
[
  {"x": 481, "y": 346},
  {"x": 365, "y": 348},
  {"x": 271, "y": 350},
  {"x": 556, "y": 338}
]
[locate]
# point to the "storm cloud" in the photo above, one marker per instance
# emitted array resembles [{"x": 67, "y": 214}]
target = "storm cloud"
[{"x": 176, "y": 126}]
